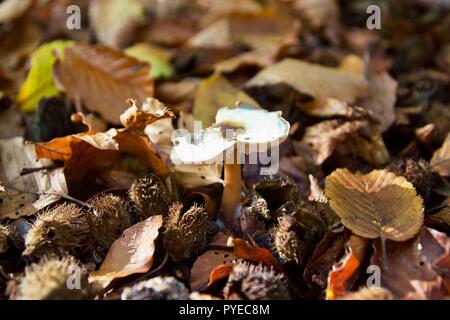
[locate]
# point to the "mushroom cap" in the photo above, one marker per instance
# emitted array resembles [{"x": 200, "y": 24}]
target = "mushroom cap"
[
  {"x": 253, "y": 126},
  {"x": 249, "y": 128}
]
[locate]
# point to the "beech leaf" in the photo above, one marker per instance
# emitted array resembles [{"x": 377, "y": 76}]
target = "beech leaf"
[
  {"x": 40, "y": 83},
  {"x": 377, "y": 204},
  {"x": 130, "y": 254},
  {"x": 440, "y": 162},
  {"x": 313, "y": 80},
  {"x": 87, "y": 72}
]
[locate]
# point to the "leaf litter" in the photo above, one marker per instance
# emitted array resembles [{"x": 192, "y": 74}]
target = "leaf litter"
[{"x": 90, "y": 128}]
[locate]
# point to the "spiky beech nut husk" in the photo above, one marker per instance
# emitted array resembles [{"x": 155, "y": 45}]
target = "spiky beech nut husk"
[
  {"x": 276, "y": 191},
  {"x": 54, "y": 278},
  {"x": 158, "y": 288},
  {"x": 255, "y": 282},
  {"x": 286, "y": 242},
  {"x": 418, "y": 173},
  {"x": 64, "y": 229},
  {"x": 5, "y": 233},
  {"x": 108, "y": 219},
  {"x": 186, "y": 234},
  {"x": 372, "y": 293},
  {"x": 149, "y": 196}
]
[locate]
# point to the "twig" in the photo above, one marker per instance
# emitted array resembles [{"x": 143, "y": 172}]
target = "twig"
[
  {"x": 45, "y": 193},
  {"x": 25, "y": 171}
]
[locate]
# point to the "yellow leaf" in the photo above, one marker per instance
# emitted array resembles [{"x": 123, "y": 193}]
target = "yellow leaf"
[
  {"x": 40, "y": 83},
  {"x": 214, "y": 93},
  {"x": 377, "y": 204},
  {"x": 313, "y": 80},
  {"x": 157, "y": 58}
]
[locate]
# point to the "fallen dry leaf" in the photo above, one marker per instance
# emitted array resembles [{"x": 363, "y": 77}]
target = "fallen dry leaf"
[
  {"x": 345, "y": 272},
  {"x": 214, "y": 93},
  {"x": 377, "y": 204},
  {"x": 258, "y": 57},
  {"x": 130, "y": 254},
  {"x": 320, "y": 140},
  {"x": 244, "y": 250},
  {"x": 88, "y": 151},
  {"x": 381, "y": 99},
  {"x": 324, "y": 256},
  {"x": 206, "y": 264},
  {"x": 440, "y": 162},
  {"x": 26, "y": 194},
  {"x": 114, "y": 21},
  {"x": 410, "y": 273},
  {"x": 13, "y": 9},
  {"x": 312, "y": 80},
  {"x": 86, "y": 72}
]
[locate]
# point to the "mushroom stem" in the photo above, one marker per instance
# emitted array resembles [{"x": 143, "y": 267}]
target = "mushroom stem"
[{"x": 231, "y": 198}]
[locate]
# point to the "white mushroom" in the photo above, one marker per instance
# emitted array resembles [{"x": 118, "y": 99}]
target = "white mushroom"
[{"x": 236, "y": 132}]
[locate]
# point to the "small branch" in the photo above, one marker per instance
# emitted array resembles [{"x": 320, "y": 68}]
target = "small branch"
[
  {"x": 25, "y": 171},
  {"x": 44, "y": 193}
]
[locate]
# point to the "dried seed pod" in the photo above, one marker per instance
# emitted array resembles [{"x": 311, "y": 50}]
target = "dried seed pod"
[
  {"x": 108, "y": 219},
  {"x": 186, "y": 234},
  {"x": 418, "y": 173},
  {"x": 286, "y": 243},
  {"x": 158, "y": 288},
  {"x": 63, "y": 229},
  {"x": 54, "y": 279},
  {"x": 5, "y": 233},
  {"x": 250, "y": 282},
  {"x": 276, "y": 191},
  {"x": 372, "y": 293},
  {"x": 149, "y": 196}
]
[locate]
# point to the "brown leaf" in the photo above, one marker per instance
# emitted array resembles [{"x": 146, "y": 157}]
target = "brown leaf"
[
  {"x": 316, "y": 194},
  {"x": 137, "y": 118},
  {"x": 410, "y": 274},
  {"x": 440, "y": 162},
  {"x": 377, "y": 204},
  {"x": 13, "y": 9},
  {"x": 320, "y": 140},
  {"x": 87, "y": 72},
  {"x": 130, "y": 254},
  {"x": 205, "y": 265},
  {"x": 326, "y": 253},
  {"x": 315, "y": 81},
  {"x": 90, "y": 151},
  {"x": 382, "y": 98},
  {"x": 345, "y": 272},
  {"x": 114, "y": 21},
  {"x": 26, "y": 194},
  {"x": 262, "y": 57}
]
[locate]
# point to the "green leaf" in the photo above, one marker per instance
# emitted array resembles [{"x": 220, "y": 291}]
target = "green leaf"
[
  {"x": 157, "y": 57},
  {"x": 40, "y": 83}
]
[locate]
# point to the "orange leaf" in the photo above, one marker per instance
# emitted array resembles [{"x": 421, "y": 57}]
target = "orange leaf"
[
  {"x": 130, "y": 254},
  {"x": 244, "y": 250},
  {"x": 205, "y": 266},
  {"x": 89, "y": 151},
  {"x": 218, "y": 273},
  {"x": 345, "y": 271}
]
